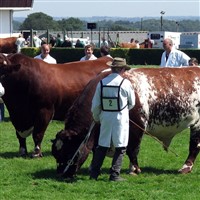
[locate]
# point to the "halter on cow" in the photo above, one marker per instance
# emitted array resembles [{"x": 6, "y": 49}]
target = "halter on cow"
[
  {"x": 167, "y": 102},
  {"x": 37, "y": 92}
]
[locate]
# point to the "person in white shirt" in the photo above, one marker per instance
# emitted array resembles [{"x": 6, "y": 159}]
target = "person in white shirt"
[
  {"x": 104, "y": 42},
  {"x": 113, "y": 98},
  {"x": 88, "y": 53},
  {"x": 45, "y": 50},
  {"x": 20, "y": 42},
  {"x": 36, "y": 41},
  {"x": 2, "y": 92},
  {"x": 172, "y": 57}
]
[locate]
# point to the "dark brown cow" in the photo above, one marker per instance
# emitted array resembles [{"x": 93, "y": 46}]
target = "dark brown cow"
[
  {"x": 167, "y": 102},
  {"x": 36, "y": 92},
  {"x": 7, "y": 45}
]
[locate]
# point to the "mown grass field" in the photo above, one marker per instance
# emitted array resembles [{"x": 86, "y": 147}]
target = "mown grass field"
[{"x": 36, "y": 178}]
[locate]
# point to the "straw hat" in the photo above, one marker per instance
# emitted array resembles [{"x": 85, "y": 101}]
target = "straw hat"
[{"x": 118, "y": 62}]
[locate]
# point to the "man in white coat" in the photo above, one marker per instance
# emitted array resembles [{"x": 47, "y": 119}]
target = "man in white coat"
[
  {"x": 172, "y": 57},
  {"x": 113, "y": 98},
  {"x": 2, "y": 92}
]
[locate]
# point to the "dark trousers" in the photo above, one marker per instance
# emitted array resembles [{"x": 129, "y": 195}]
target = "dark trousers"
[
  {"x": 99, "y": 157},
  {"x": 2, "y": 111}
]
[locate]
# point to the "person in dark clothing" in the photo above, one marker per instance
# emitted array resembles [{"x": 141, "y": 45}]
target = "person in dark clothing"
[{"x": 67, "y": 43}]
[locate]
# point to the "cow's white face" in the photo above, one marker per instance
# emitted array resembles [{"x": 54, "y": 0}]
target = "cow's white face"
[{"x": 63, "y": 149}]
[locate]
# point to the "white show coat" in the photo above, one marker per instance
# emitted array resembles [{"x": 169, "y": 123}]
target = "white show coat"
[
  {"x": 2, "y": 90},
  {"x": 114, "y": 125},
  {"x": 176, "y": 59}
]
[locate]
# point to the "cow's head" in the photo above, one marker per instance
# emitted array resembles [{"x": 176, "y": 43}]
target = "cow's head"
[
  {"x": 64, "y": 148},
  {"x": 6, "y": 67}
]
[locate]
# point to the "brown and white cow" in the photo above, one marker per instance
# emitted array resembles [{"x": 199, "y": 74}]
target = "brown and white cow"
[
  {"x": 37, "y": 92},
  {"x": 167, "y": 102},
  {"x": 7, "y": 45}
]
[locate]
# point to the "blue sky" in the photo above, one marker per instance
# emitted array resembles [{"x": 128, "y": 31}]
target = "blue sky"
[{"x": 113, "y": 8}]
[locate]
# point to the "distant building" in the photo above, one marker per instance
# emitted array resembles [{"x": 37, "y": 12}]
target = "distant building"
[{"x": 7, "y": 7}]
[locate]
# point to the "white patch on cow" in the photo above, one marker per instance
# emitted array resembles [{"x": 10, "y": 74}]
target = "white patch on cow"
[
  {"x": 198, "y": 145},
  {"x": 26, "y": 133},
  {"x": 59, "y": 144},
  {"x": 185, "y": 167},
  {"x": 4, "y": 62}
]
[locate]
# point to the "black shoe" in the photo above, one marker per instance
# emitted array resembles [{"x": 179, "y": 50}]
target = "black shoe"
[{"x": 116, "y": 178}]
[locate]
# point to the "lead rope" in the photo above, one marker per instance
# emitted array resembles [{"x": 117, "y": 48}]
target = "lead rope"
[
  {"x": 70, "y": 162},
  {"x": 154, "y": 138}
]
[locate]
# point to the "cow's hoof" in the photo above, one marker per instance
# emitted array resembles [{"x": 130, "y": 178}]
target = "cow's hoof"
[
  {"x": 185, "y": 169},
  {"x": 23, "y": 152},
  {"x": 36, "y": 155},
  {"x": 134, "y": 171}
]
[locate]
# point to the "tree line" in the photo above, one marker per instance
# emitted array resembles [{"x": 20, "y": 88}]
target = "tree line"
[{"x": 75, "y": 24}]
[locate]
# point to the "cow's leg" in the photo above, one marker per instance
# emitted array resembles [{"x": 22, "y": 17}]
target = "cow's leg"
[
  {"x": 22, "y": 145},
  {"x": 193, "y": 151},
  {"x": 41, "y": 123},
  {"x": 133, "y": 148}
]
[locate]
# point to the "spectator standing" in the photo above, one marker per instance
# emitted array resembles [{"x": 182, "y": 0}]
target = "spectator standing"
[
  {"x": 172, "y": 57},
  {"x": 113, "y": 98},
  {"x": 36, "y": 41},
  {"x": 20, "y": 42},
  {"x": 132, "y": 40},
  {"x": 79, "y": 44},
  {"x": 105, "y": 51},
  {"x": 45, "y": 50},
  {"x": 137, "y": 44},
  {"x": 59, "y": 41},
  {"x": 52, "y": 41},
  {"x": 104, "y": 42},
  {"x": 89, "y": 53},
  {"x": 67, "y": 42}
]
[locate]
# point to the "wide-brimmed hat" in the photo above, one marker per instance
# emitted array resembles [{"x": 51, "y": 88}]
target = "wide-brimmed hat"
[{"x": 118, "y": 62}]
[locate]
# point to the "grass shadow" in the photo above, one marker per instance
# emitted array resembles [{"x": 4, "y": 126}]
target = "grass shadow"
[
  {"x": 157, "y": 171},
  {"x": 9, "y": 155},
  {"x": 51, "y": 174}
]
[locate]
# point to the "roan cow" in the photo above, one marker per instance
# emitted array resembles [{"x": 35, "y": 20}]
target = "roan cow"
[
  {"x": 167, "y": 102},
  {"x": 37, "y": 92}
]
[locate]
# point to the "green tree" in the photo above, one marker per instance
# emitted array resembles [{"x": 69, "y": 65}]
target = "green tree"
[
  {"x": 16, "y": 25},
  {"x": 39, "y": 21},
  {"x": 71, "y": 23}
]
